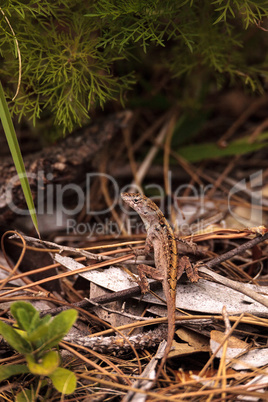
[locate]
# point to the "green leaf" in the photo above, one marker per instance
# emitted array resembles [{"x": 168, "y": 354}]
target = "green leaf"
[
  {"x": 16, "y": 155},
  {"x": 60, "y": 326},
  {"x": 15, "y": 339},
  {"x": 24, "y": 313},
  {"x": 40, "y": 322},
  {"x": 46, "y": 365},
  {"x": 26, "y": 395},
  {"x": 40, "y": 337},
  {"x": 198, "y": 152},
  {"x": 7, "y": 371},
  {"x": 63, "y": 380},
  {"x": 51, "y": 333}
]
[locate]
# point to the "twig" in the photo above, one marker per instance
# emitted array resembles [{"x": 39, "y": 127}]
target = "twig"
[
  {"x": 240, "y": 287},
  {"x": 123, "y": 313},
  {"x": 255, "y": 105},
  {"x": 238, "y": 250},
  {"x": 122, "y": 294},
  {"x": 143, "y": 168},
  {"x": 104, "y": 344}
]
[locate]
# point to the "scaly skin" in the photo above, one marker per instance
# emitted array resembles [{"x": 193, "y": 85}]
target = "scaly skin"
[{"x": 160, "y": 236}]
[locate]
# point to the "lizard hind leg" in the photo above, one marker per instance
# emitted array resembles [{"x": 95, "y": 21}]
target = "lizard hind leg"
[{"x": 184, "y": 264}]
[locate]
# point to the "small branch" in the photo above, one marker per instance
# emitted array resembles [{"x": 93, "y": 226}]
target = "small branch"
[
  {"x": 115, "y": 343},
  {"x": 240, "y": 287},
  {"x": 238, "y": 250},
  {"x": 122, "y": 294},
  {"x": 122, "y": 313}
]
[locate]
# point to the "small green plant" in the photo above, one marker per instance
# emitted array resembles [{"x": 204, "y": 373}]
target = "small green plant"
[
  {"x": 78, "y": 55},
  {"x": 34, "y": 337}
]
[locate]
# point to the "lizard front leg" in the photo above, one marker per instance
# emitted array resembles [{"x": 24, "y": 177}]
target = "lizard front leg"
[
  {"x": 144, "y": 271},
  {"x": 146, "y": 250}
]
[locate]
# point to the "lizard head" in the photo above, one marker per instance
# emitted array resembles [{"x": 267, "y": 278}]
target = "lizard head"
[
  {"x": 145, "y": 207},
  {"x": 136, "y": 201}
]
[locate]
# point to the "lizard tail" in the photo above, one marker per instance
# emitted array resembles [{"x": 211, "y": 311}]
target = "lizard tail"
[{"x": 170, "y": 337}]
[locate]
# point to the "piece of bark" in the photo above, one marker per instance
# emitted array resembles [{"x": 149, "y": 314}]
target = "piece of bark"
[{"x": 66, "y": 162}]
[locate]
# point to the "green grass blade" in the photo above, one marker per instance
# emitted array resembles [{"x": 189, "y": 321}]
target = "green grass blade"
[{"x": 16, "y": 155}]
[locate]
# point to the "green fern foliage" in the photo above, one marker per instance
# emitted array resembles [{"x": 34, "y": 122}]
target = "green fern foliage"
[{"x": 78, "y": 55}]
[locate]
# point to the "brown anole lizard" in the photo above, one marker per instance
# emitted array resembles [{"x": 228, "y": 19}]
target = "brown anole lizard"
[{"x": 161, "y": 238}]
